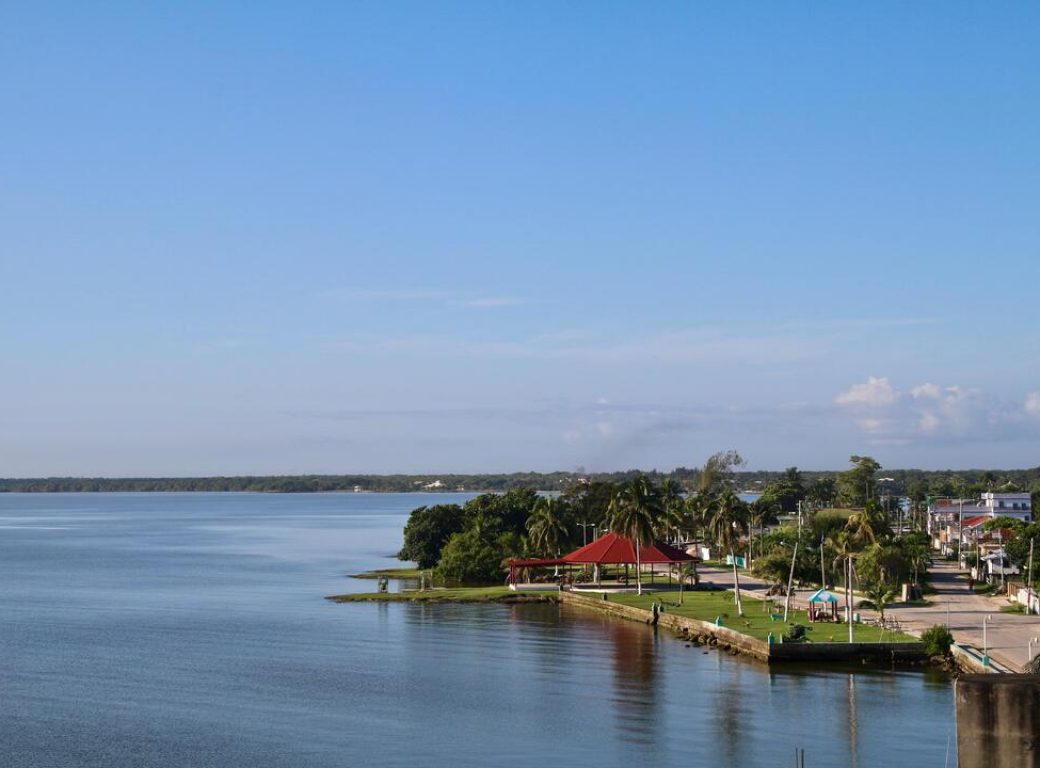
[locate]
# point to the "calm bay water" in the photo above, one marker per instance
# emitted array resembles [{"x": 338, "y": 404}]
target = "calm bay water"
[{"x": 190, "y": 630}]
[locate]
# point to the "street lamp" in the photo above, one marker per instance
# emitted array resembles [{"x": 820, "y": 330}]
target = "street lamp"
[
  {"x": 585, "y": 532},
  {"x": 985, "y": 641},
  {"x": 884, "y": 499}
]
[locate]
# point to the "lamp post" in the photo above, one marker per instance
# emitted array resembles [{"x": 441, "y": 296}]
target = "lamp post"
[
  {"x": 884, "y": 499},
  {"x": 960, "y": 529},
  {"x": 585, "y": 532},
  {"x": 985, "y": 641},
  {"x": 1032, "y": 641}
]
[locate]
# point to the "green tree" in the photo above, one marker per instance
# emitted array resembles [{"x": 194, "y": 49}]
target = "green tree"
[
  {"x": 632, "y": 513},
  {"x": 587, "y": 503},
  {"x": 717, "y": 473},
  {"x": 821, "y": 492},
  {"x": 673, "y": 517},
  {"x": 428, "y": 530},
  {"x": 729, "y": 521},
  {"x": 856, "y": 485},
  {"x": 546, "y": 527},
  {"x": 786, "y": 491},
  {"x": 511, "y": 509},
  {"x": 471, "y": 558}
]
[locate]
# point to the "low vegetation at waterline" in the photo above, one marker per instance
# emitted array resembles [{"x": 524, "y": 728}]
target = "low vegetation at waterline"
[{"x": 937, "y": 640}]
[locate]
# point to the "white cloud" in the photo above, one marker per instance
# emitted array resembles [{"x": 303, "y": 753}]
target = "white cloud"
[
  {"x": 926, "y": 390},
  {"x": 876, "y": 392},
  {"x": 933, "y": 411},
  {"x": 1033, "y": 403}
]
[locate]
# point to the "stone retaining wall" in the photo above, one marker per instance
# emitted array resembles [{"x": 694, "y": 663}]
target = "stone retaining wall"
[{"x": 736, "y": 642}]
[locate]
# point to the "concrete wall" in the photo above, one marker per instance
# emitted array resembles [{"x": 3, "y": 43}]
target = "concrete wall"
[
  {"x": 998, "y": 721},
  {"x": 841, "y": 652},
  {"x": 735, "y": 641}
]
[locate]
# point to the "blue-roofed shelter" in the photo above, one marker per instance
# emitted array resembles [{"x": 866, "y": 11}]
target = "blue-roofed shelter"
[{"x": 823, "y": 606}]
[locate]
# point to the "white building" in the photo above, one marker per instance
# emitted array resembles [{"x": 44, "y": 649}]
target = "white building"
[{"x": 947, "y": 518}]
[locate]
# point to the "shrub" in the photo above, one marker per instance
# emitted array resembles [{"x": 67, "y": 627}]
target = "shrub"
[
  {"x": 797, "y": 634},
  {"x": 937, "y": 640}
]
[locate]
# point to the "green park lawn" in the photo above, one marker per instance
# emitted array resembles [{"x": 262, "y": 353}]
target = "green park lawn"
[{"x": 756, "y": 622}]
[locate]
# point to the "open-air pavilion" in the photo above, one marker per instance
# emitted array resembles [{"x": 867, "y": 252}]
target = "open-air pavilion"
[
  {"x": 610, "y": 549},
  {"x": 823, "y": 606}
]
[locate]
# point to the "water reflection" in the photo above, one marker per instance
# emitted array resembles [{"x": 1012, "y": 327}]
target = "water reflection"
[
  {"x": 853, "y": 723},
  {"x": 634, "y": 665}
]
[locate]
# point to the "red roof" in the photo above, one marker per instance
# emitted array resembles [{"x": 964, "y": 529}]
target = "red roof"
[
  {"x": 612, "y": 548},
  {"x": 971, "y": 522}
]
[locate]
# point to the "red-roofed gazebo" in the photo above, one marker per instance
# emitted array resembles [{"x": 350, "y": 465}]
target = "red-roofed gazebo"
[
  {"x": 615, "y": 549},
  {"x": 611, "y": 549}
]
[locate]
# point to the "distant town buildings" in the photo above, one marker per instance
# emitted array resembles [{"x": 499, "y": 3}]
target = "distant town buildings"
[{"x": 955, "y": 524}]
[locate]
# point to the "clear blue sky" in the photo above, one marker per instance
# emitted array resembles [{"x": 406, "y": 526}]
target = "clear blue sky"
[{"x": 382, "y": 236}]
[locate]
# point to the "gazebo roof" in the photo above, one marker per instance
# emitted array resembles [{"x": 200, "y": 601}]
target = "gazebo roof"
[
  {"x": 615, "y": 549},
  {"x": 823, "y": 596}
]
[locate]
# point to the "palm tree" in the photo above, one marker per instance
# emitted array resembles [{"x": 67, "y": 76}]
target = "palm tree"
[
  {"x": 673, "y": 510},
  {"x": 687, "y": 571},
  {"x": 880, "y": 594},
  {"x": 844, "y": 545},
  {"x": 633, "y": 509},
  {"x": 698, "y": 509},
  {"x": 546, "y": 529},
  {"x": 728, "y": 521}
]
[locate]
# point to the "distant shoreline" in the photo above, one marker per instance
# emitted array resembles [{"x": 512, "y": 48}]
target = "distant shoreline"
[{"x": 457, "y": 483}]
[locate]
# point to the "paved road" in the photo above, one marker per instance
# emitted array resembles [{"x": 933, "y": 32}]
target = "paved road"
[
  {"x": 1008, "y": 634},
  {"x": 954, "y": 604}
]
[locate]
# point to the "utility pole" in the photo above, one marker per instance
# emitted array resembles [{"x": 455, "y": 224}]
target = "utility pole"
[
  {"x": 823, "y": 573},
  {"x": 848, "y": 593},
  {"x": 790, "y": 582},
  {"x": 1029, "y": 580},
  {"x": 960, "y": 530}
]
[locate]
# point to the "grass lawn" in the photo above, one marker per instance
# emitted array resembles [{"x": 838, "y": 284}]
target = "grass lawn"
[
  {"x": 498, "y": 594},
  {"x": 756, "y": 621}
]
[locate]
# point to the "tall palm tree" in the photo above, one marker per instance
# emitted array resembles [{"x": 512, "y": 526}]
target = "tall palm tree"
[
  {"x": 728, "y": 522},
  {"x": 859, "y": 531},
  {"x": 546, "y": 529},
  {"x": 699, "y": 509},
  {"x": 633, "y": 509},
  {"x": 845, "y": 546},
  {"x": 673, "y": 510}
]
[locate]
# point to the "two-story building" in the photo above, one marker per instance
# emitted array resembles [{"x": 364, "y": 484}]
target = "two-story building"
[{"x": 961, "y": 520}]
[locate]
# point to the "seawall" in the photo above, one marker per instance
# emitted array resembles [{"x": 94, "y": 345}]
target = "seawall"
[{"x": 736, "y": 642}]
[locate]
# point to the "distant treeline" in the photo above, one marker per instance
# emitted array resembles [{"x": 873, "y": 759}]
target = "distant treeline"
[{"x": 946, "y": 482}]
